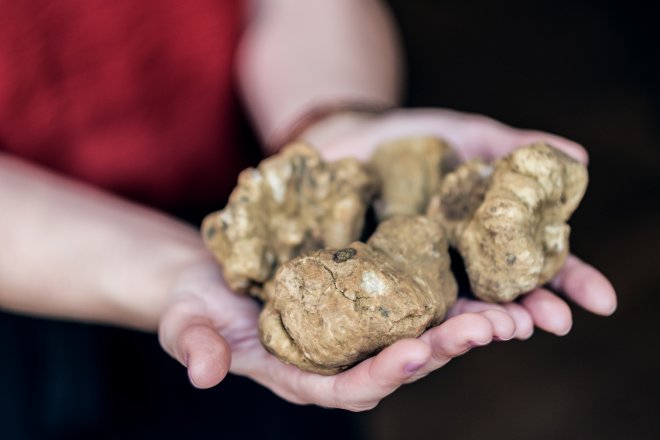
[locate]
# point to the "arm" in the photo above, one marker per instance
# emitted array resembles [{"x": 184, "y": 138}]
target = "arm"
[
  {"x": 72, "y": 251},
  {"x": 76, "y": 252},
  {"x": 296, "y": 56},
  {"x": 300, "y": 55}
]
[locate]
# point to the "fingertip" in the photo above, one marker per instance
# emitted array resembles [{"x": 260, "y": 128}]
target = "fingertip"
[
  {"x": 565, "y": 330},
  {"x": 461, "y": 333},
  {"x": 206, "y": 354},
  {"x": 603, "y": 296},
  {"x": 572, "y": 148},
  {"x": 527, "y": 335},
  {"x": 585, "y": 285},
  {"x": 504, "y": 327},
  {"x": 613, "y": 308},
  {"x": 523, "y": 320},
  {"x": 549, "y": 312},
  {"x": 577, "y": 151},
  {"x": 482, "y": 330}
]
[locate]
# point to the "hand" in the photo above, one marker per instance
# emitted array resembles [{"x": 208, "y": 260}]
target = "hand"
[
  {"x": 212, "y": 330},
  {"x": 477, "y": 136}
]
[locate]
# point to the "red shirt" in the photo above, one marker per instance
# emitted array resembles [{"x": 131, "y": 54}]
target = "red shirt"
[{"x": 132, "y": 96}]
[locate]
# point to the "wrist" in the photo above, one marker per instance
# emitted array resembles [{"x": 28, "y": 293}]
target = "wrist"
[
  {"x": 322, "y": 124},
  {"x": 333, "y": 127},
  {"x": 159, "y": 284}
]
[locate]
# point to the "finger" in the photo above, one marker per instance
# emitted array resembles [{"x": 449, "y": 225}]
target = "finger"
[
  {"x": 573, "y": 149},
  {"x": 549, "y": 312},
  {"x": 524, "y": 326},
  {"x": 496, "y": 139},
  {"x": 519, "y": 317},
  {"x": 523, "y": 320},
  {"x": 188, "y": 336},
  {"x": 504, "y": 327},
  {"x": 464, "y": 305},
  {"x": 586, "y": 286},
  {"x": 362, "y": 387},
  {"x": 206, "y": 354},
  {"x": 457, "y": 336}
]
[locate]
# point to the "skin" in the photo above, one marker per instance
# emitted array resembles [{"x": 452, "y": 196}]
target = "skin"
[
  {"x": 470, "y": 324},
  {"x": 70, "y": 251},
  {"x": 204, "y": 325},
  {"x": 298, "y": 55}
]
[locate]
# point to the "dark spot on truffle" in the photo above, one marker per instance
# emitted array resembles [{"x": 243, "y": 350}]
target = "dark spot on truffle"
[
  {"x": 210, "y": 232},
  {"x": 384, "y": 312},
  {"x": 510, "y": 259},
  {"x": 460, "y": 205},
  {"x": 344, "y": 255},
  {"x": 562, "y": 199}
]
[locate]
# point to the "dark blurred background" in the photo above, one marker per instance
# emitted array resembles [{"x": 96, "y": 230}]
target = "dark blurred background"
[
  {"x": 589, "y": 71},
  {"x": 586, "y": 70}
]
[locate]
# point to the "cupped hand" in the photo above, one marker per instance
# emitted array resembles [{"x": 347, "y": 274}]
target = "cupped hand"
[
  {"x": 212, "y": 330},
  {"x": 478, "y": 136}
]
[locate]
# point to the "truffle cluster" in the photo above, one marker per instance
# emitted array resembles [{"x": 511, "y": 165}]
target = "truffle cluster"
[
  {"x": 292, "y": 203},
  {"x": 289, "y": 232}
]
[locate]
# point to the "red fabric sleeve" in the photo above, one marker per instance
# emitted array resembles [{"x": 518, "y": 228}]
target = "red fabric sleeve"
[{"x": 132, "y": 96}]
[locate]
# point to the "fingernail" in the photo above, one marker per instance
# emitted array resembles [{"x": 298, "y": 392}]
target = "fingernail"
[{"x": 412, "y": 368}]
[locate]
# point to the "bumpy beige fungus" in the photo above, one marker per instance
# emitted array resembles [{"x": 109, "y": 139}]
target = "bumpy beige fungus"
[
  {"x": 333, "y": 308},
  {"x": 410, "y": 171},
  {"x": 508, "y": 219},
  {"x": 291, "y": 203}
]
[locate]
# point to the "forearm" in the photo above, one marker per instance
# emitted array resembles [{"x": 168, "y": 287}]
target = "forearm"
[
  {"x": 297, "y": 55},
  {"x": 72, "y": 251}
]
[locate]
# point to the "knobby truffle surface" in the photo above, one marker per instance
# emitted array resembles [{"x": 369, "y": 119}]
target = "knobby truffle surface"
[
  {"x": 334, "y": 307},
  {"x": 291, "y": 203},
  {"x": 410, "y": 171},
  {"x": 508, "y": 219}
]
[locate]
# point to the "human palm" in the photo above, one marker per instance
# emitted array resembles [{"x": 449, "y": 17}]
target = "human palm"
[{"x": 212, "y": 330}]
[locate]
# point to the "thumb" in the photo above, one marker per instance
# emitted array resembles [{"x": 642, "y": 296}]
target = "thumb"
[
  {"x": 205, "y": 353},
  {"x": 191, "y": 339}
]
